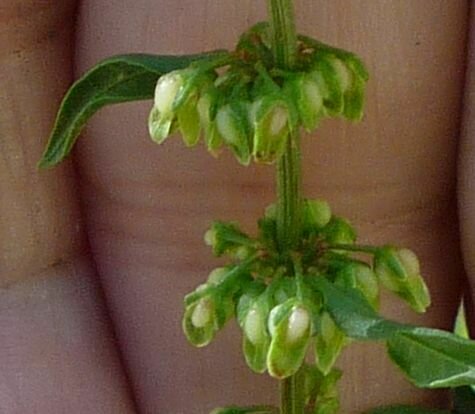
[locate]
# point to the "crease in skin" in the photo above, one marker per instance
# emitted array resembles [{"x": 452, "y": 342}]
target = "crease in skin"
[{"x": 58, "y": 346}]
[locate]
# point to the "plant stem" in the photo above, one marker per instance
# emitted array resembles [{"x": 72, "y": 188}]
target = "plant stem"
[
  {"x": 284, "y": 45},
  {"x": 284, "y": 41},
  {"x": 291, "y": 395}
]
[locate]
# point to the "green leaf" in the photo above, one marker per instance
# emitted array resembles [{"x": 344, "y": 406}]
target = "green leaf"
[
  {"x": 433, "y": 358},
  {"x": 246, "y": 410},
  {"x": 405, "y": 409},
  {"x": 463, "y": 400},
  {"x": 114, "y": 80},
  {"x": 353, "y": 314},
  {"x": 430, "y": 358}
]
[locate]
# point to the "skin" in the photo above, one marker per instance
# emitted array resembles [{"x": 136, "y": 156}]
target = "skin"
[{"x": 96, "y": 257}]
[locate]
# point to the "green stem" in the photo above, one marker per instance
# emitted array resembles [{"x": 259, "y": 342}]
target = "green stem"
[
  {"x": 291, "y": 395},
  {"x": 284, "y": 44}
]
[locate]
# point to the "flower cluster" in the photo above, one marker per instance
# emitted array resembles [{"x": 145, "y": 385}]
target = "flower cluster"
[
  {"x": 275, "y": 297},
  {"x": 243, "y": 102}
]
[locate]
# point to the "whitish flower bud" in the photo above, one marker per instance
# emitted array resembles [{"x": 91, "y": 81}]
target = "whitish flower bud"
[
  {"x": 271, "y": 128},
  {"x": 202, "y": 313},
  {"x": 254, "y": 326},
  {"x": 299, "y": 323},
  {"x": 166, "y": 91},
  {"x": 328, "y": 343},
  {"x": 217, "y": 275}
]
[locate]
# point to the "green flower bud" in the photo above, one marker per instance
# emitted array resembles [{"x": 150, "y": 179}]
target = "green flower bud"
[
  {"x": 360, "y": 276},
  {"x": 344, "y": 74},
  {"x": 352, "y": 77},
  {"x": 355, "y": 99},
  {"x": 226, "y": 238},
  {"x": 231, "y": 121},
  {"x": 189, "y": 121},
  {"x": 206, "y": 316},
  {"x": 306, "y": 93},
  {"x": 199, "y": 322},
  {"x": 339, "y": 231},
  {"x": 329, "y": 84},
  {"x": 207, "y": 107},
  {"x": 252, "y": 312},
  {"x": 328, "y": 344},
  {"x": 290, "y": 328},
  {"x": 399, "y": 271},
  {"x": 270, "y": 117},
  {"x": 317, "y": 214},
  {"x": 391, "y": 263}
]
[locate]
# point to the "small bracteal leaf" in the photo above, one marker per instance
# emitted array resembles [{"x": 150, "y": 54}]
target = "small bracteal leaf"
[
  {"x": 461, "y": 327},
  {"x": 114, "y": 80},
  {"x": 405, "y": 409}
]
